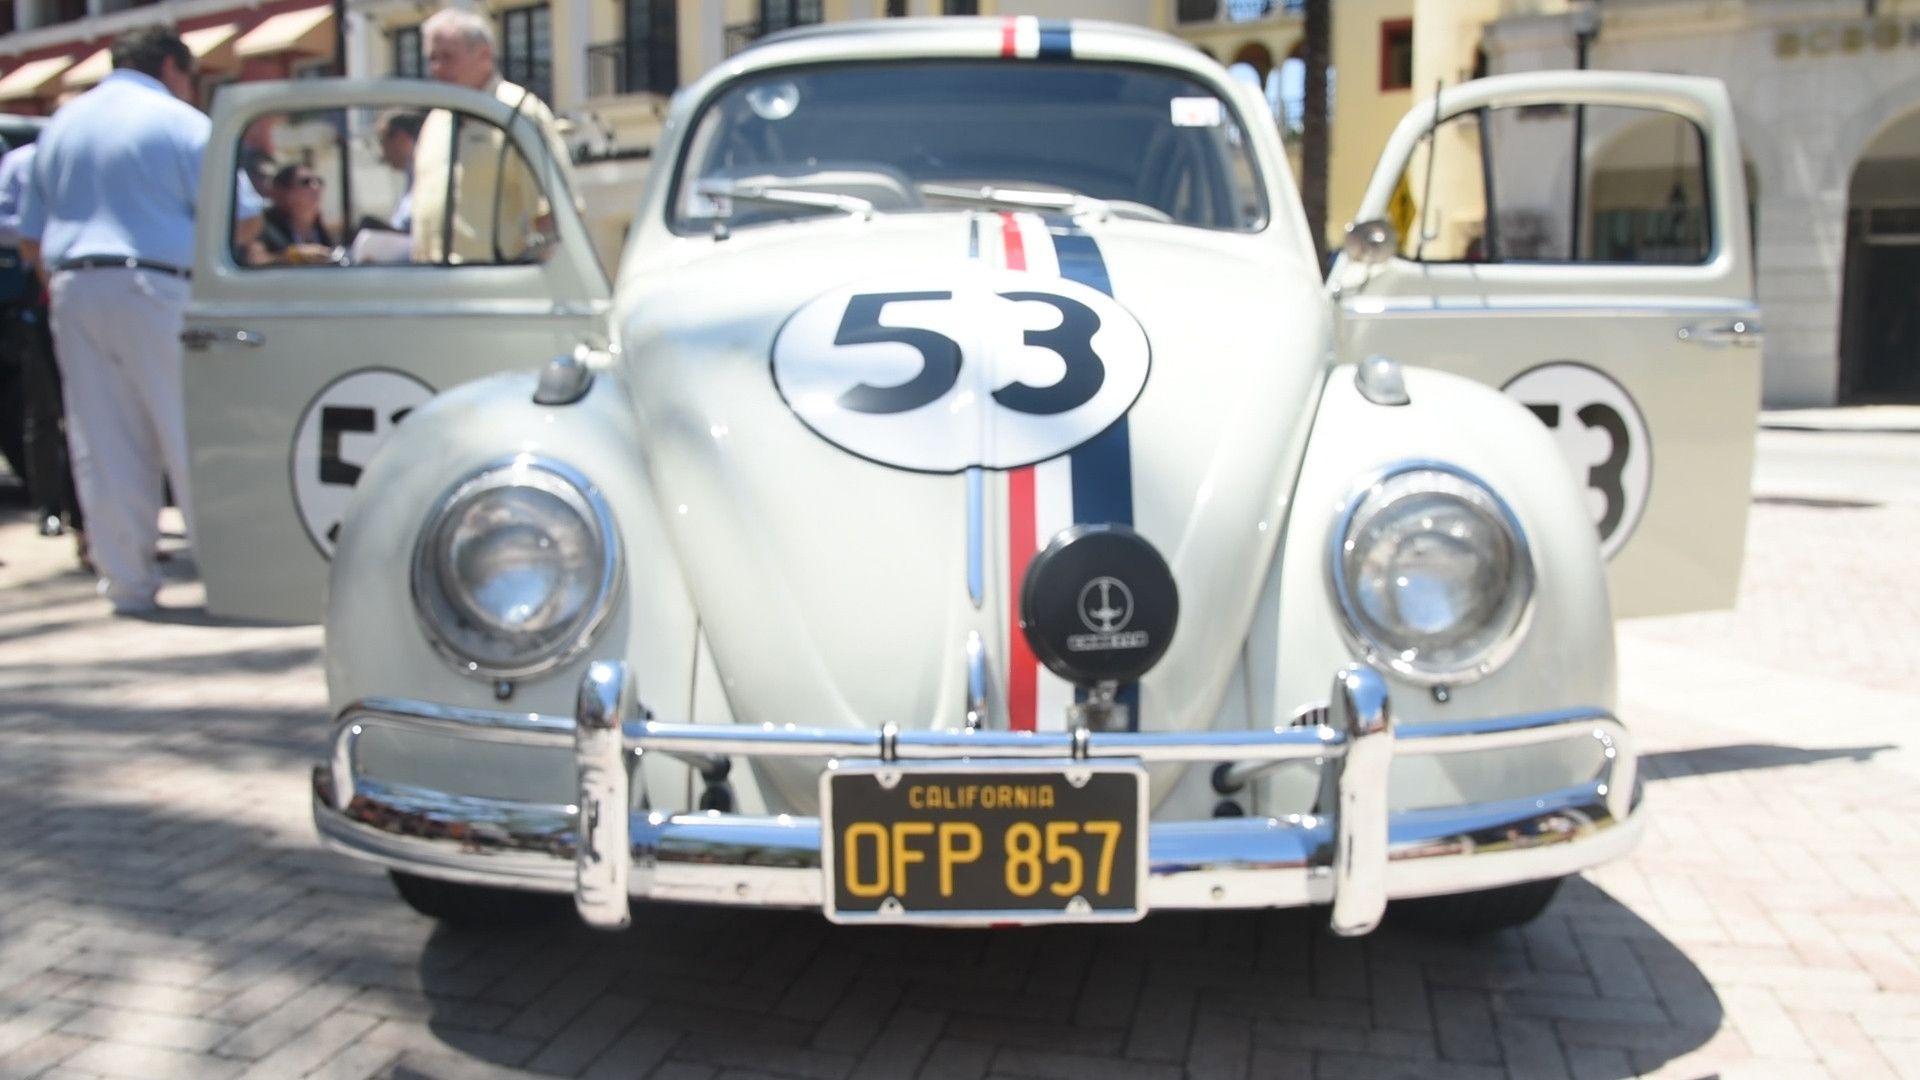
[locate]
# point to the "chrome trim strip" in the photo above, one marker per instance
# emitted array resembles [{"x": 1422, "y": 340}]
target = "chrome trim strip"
[
  {"x": 792, "y": 740},
  {"x": 449, "y": 308},
  {"x": 1376, "y": 307},
  {"x": 603, "y": 854},
  {"x": 769, "y": 740},
  {"x": 539, "y": 728},
  {"x": 789, "y": 740},
  {"x": 1359, "y": 707},
  {"x": 979, "y": 683},
  {"x": 1355, "y": 858},
  {"x": 1193, "y": 865},
  {"x": 976, "y": 536}
]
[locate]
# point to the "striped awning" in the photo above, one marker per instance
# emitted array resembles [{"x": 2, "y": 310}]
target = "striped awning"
[
  {"x": 88, "y": 71},
  {"x": 33, "y": 79},
  {"x": 212, "y": 46},
  {"x": 209, "y": 46},
  {"x": 308, "y": 30}
]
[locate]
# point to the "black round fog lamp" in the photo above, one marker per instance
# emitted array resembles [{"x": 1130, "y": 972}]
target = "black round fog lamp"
[{"x": 1099, "y": 605}]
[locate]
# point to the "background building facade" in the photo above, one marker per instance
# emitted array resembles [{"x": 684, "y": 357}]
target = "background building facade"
[
  {"x": 1827, "y": 91},
  {"x": 55, "y": 48},
  {"x": 1828, "y": 98}
]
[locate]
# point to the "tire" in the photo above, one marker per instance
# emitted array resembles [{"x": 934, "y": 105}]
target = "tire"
[
  {"x": 1475, "y": 913},
  {"x": 476, "y": 905}
]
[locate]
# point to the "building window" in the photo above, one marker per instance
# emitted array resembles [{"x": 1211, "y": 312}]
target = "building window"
[
  {"x": 961, "y": 7},
  {"x": 1396, "y": 54},
  {"x": 781, "y": 14},
  {"x": 646, "y": 59},
  {"x": 775, "y": 15},
  {"x": 896, "y": 8},
  {"x": 407, "y": 61},
  {"x": 526, "y": 49}
]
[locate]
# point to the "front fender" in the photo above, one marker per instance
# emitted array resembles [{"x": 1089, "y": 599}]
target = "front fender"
[
  {"x": 1567, "y": 657},
  {"x": 375, "y": 645}
]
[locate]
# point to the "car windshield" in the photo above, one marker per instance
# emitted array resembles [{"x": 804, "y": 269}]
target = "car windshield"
[{"x": 882, "y": 138}]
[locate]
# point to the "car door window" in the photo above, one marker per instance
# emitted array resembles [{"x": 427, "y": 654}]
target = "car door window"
[
  {"x": 366, "y": 186},
  {"x": 1506, "y": 185}
]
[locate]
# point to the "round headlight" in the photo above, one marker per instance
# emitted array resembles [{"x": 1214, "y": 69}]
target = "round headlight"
[
  {"x": 515, "y": 568},
  {"x": 1433, "y": 575}
]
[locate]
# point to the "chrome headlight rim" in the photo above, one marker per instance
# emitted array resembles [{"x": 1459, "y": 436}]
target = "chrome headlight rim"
[
  {"x": 1381, "y": 655},
  {"x": 430, "y": 602}
]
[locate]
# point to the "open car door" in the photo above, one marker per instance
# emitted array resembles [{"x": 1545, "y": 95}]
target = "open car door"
[
  {"x": 300, "y": 361},
  {"x": 1580, "y": 239}
]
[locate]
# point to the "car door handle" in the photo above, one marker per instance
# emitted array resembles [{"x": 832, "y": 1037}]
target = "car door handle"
[
  {"x": 199, "y": 338},
  {"x": 1745, "y": 332}
]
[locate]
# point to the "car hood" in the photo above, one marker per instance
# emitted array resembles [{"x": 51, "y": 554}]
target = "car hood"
[{"x": 833, "y": 567}]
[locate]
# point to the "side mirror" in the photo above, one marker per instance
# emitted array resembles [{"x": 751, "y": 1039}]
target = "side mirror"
[{"x": 1371, "y": 242}]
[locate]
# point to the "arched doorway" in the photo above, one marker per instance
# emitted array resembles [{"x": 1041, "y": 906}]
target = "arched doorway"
[
  {"x": 1880, "y": 293},
  {"x": 1255, "y": 55}
]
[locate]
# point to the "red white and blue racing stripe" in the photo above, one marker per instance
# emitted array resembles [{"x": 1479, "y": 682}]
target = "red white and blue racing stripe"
[
  {"x": 1024, "y": 37},
  {"x": 1092, "y": 484}
]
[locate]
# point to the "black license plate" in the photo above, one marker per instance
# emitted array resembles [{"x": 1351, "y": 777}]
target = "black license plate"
[{"x": 1006, "y": 842}]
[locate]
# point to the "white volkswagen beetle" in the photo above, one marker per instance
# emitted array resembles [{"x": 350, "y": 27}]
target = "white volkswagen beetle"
[{"x": 972, "y": 507}]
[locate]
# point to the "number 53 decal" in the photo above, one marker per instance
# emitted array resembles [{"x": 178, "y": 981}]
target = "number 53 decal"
[
  {"x": 974, "y": 366},
  {"x": 1604, "y": 436}
]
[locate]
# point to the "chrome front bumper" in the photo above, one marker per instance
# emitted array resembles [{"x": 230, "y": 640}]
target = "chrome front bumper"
[{"x": 1354, "y": 858}]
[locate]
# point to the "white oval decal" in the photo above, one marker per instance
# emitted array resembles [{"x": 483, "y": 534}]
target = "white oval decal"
[
  {"x": 339, "y": 432},
  {"x": 1604, "y": 436},
  {"x": 972, "y": 366}
]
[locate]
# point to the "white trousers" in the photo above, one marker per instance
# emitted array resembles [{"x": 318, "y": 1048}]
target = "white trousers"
[{"x": 116, "y": 334}]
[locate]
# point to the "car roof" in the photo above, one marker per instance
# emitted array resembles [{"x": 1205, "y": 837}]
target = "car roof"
[{"x": 867, "y": 27}]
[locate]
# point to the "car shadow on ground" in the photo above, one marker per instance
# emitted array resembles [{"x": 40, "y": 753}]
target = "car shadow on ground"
[
  {"x": 1213, "y": 994},
  {"x": 1741, "y": 757},
  {"x": 199, "y": 865}
]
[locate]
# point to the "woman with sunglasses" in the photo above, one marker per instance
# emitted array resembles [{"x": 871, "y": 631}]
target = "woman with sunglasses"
[{"x": 291, "y": 230}]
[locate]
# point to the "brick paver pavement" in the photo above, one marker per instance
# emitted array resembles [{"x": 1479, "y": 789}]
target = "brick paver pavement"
[{"x": 165, "y": 912}]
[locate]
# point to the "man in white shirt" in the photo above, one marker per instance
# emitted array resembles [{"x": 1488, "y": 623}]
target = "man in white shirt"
[
  {"x": 474, "y": 198},
  {"x": 109, "y": 212}
]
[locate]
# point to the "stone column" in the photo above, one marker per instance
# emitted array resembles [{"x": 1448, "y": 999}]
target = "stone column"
[{"x": 571, "y": 27}]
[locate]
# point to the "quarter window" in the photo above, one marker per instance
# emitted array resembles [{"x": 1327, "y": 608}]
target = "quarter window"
[
  {"x": 355, "y": 187},
  {"x": 1510, "y": 185}
]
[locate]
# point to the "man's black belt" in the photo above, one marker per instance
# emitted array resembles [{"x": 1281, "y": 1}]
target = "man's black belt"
[{"x": 121, "y": 262}]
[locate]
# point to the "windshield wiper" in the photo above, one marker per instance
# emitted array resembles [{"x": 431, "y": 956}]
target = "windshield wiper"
[
  {"x": 1021, "y": 198},
  {"x": 760, "y": 191}
]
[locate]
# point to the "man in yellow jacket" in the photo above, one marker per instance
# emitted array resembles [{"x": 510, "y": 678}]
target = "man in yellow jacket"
[{"x": 475, "y": 199}]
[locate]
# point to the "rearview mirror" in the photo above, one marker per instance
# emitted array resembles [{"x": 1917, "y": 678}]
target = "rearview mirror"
[{"x": 1371, "y": 242}]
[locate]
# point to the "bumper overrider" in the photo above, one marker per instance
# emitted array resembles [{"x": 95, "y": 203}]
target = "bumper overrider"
[{"x": 1354, "y": 857}]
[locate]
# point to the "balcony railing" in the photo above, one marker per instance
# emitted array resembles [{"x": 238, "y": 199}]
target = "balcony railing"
[
  {"x": 783, "y": 16},
  {"x": 642, "y": 66},
  {"x": 1235, "y": 11}
]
